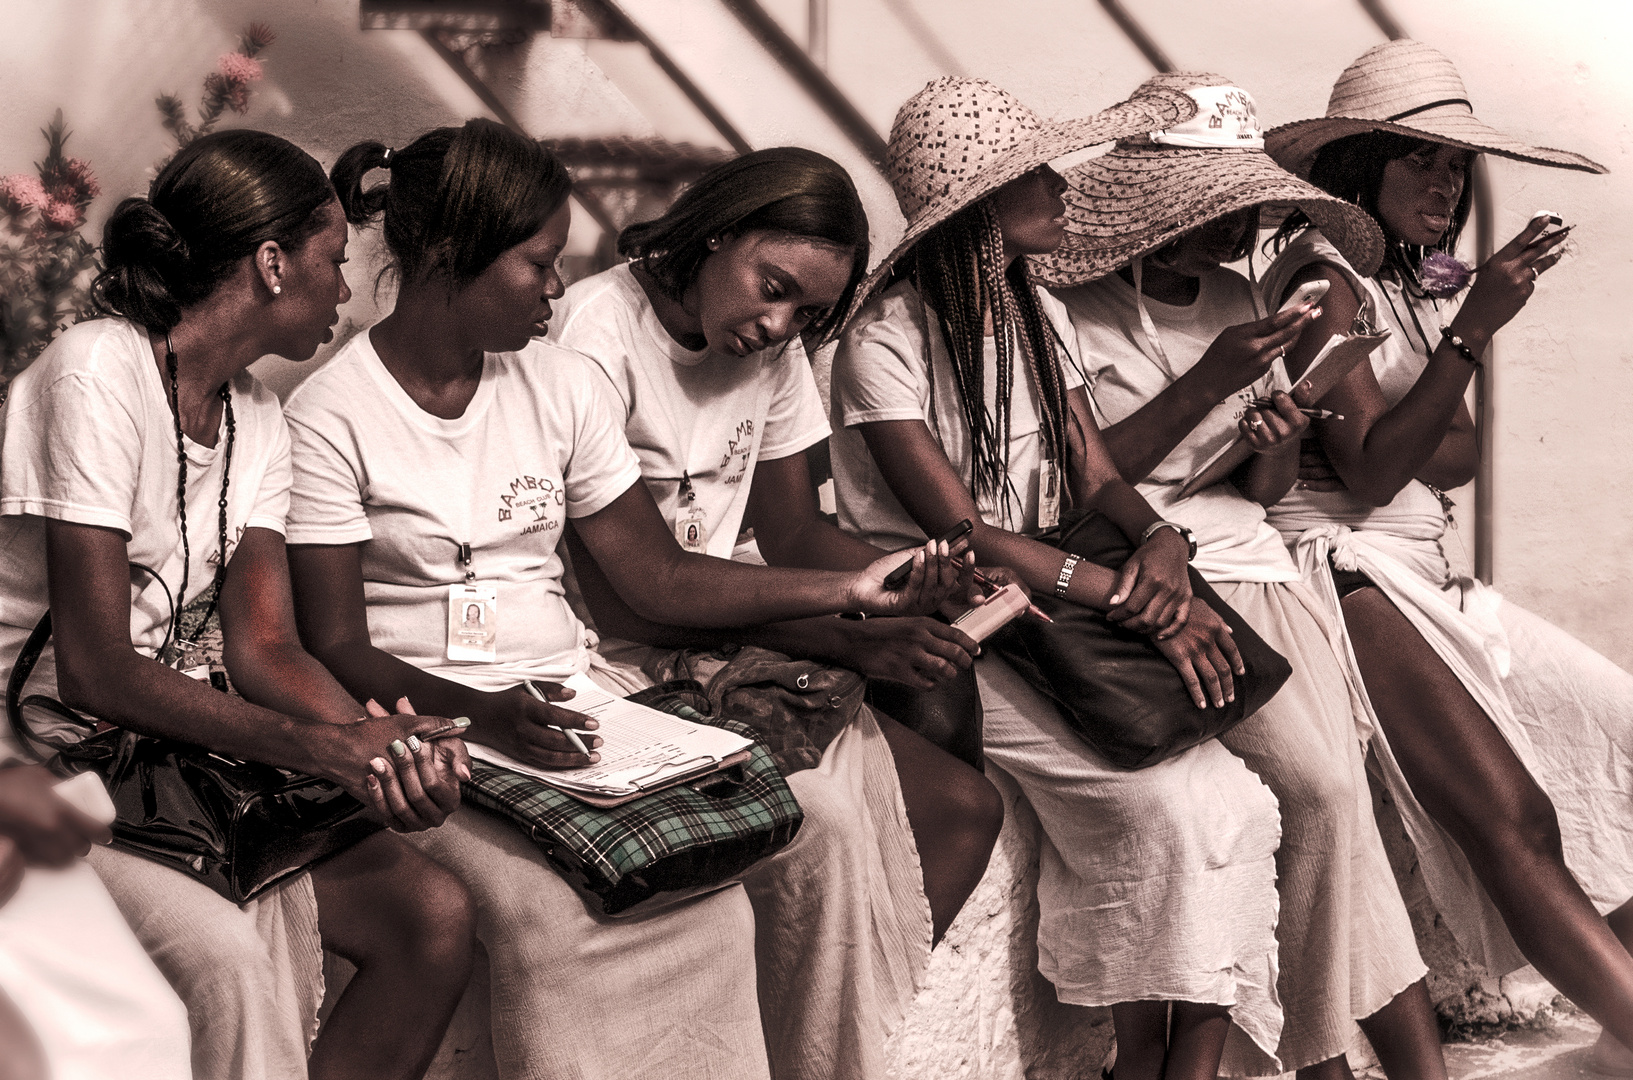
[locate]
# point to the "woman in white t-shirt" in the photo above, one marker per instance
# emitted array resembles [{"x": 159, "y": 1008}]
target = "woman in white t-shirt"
[
  {"x": 1502, "y": 739},
  {"x": 438, "y": 457},
  {"x": 957, "y": 399},
  {"x": 1177, "y": 353},
  {"x": 701, "y": 337},
  {"x": 235, "y": 254}
]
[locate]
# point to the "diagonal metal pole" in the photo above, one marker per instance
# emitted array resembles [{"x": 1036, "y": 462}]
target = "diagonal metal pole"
[{"x": 1137, "y": 35}]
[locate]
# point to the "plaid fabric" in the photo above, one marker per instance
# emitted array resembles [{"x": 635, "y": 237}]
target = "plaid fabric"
[{"x": 687, "y": 836}]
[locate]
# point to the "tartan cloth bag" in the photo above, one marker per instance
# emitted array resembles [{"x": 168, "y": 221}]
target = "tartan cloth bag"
[{"x": 685, "y": 837}]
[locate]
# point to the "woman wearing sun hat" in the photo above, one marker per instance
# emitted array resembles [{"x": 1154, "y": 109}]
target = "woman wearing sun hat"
[
  {"x": 1503, "y": 740},
  {"x": 952, "y": 399},
  {"x": 1176, "y": 350}
]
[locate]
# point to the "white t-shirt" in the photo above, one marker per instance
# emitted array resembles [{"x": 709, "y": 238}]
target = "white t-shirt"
[
  {"x": 883, "y": 371},
  {"x": 537, "y": 444},
  {"x": 1125, "y": 371},
  {"x": 88, "y": 437},
  {"x": 700, "y": 415}
]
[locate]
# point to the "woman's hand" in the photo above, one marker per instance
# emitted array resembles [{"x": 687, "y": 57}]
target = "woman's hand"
[
  {"x": 916, "y": 652},
  {"x": 1153, "y": 590},
  {"x": 1505, "y": 282},
  {"x": 43, "y": 828},
  {"x": 937, "y": 575},
  {"x": 1241, "y": 355},
  {"x": 1205, "y": 656},
  {"x": 524, "y": 729},
  {"x": 1274, "y": 430},
  {"x": 415, "y": 786}
]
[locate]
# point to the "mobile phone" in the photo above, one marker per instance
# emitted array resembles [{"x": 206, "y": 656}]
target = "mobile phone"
[
  {"x": 898, "y": 577},
  {"x": 1553, "y": 218},
  {"x": 1306, "y": 293},
  {"x": 985, "y": 620}
]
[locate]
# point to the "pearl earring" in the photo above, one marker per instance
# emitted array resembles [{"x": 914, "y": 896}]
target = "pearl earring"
[
  {"x": 713, "y": 243},
  {"x": 276, "y": 289}
]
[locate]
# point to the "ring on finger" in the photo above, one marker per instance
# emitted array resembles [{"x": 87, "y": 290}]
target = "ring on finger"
[{"x": 1535, "y": 273}]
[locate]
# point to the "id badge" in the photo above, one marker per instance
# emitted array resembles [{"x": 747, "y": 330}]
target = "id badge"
[
  {"x": 473, "y": 622},
  {"x": 691, "y": 531},
  {"x": 1049, "y": 496}
]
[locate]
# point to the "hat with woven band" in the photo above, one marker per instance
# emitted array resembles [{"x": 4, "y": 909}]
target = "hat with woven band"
[
  {"x": 1411, "y": 89},
  {"x": 1155, "y": 187},
  {"x": 958, "y": 140}
]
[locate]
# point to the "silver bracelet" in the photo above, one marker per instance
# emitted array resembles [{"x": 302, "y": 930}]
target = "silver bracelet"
[{"x": 1065, "y": 579}]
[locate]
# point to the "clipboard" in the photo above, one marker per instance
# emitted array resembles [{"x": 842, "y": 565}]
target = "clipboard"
[
  {"x": 607, "y": 802},
  {"x": 1336, "y": 359}
]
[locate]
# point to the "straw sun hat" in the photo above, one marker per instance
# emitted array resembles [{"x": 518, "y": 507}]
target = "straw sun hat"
[
  {"x": 958, "y": 140},
  {"x": 1153, "y": 188},
  {"x": 1410, "y": 89}
]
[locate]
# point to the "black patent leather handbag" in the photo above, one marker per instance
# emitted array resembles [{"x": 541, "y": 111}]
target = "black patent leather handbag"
[
  {"x": 1116, "y": 690},
  {"x": 239, "y": 827}
]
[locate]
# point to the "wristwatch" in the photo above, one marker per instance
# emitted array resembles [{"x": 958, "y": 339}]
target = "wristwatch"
[{"x": 1186, "y": 534}]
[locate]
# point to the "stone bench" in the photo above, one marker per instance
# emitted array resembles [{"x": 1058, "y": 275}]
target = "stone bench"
[{"x": 986, "y": 1014}]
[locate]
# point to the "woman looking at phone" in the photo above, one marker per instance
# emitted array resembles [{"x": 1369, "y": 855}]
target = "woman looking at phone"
[
  {"x": 144, "y": 479},
  {"x": 442, "y": 451},
  {"x": 1502, "y": 738},
  {"x": 701, "y": 338},
  {"x": 954, "y": 398},
  {"x": 1177, "y": 351}
]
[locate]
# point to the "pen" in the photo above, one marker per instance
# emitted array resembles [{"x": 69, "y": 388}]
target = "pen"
[
  {"x": 454, "y": 728},
  {"x": 572, "y": 736},
  {"x": 1313, "y": 414},
  {"x": 1031, "y": 609}
]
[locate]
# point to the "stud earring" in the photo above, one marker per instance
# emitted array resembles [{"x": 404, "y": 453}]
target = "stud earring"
[
  {"x": 276, "y": 289},
  {"x": 713, "y": 243}
]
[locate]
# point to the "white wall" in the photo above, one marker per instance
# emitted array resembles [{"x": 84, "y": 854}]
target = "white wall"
[{"x": 1554, "y": 74}]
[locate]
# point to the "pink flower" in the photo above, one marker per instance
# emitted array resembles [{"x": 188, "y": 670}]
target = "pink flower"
[
  {"x": 238, "y": 68},
  {"x": 22, "y": 191},
  {"x": 83, "y": 180},
  {"x": 63, "y": 215},
  {"x": 1443, "y": 276}
]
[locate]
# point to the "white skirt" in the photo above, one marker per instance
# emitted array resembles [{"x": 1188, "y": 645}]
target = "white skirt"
[
  {"x": 1155, "y": 884},
  {"x": 1566, "y": 711}
]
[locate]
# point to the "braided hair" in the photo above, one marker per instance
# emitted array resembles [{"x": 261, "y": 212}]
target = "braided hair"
[{"x": 959, "y": 272}]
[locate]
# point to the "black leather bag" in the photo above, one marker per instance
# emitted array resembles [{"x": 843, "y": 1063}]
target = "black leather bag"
[
  {"x": 238, "y": 826},
  {"x": 1112, "y": 685},
  {"x": 949, "y": 714}
]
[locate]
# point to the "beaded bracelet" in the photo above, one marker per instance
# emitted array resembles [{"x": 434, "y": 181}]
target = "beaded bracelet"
[
  {"x": 1065, "y": 578},
  {"x": 1462, "y": 350}
]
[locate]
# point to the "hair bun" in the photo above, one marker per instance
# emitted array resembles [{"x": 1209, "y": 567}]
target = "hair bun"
[{"x": 142, "y": 254}]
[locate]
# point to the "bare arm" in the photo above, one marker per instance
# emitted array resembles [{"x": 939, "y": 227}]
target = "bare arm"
[{"x": 99, "y": 672}]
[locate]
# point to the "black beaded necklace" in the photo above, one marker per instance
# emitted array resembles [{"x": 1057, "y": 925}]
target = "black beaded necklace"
[{"x": 225, "y": 393}]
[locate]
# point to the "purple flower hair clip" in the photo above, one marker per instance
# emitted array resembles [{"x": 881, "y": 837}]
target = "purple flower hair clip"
[{"x": 1443, "y": 276}]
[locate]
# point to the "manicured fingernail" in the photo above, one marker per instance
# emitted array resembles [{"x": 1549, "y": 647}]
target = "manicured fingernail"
[
  {"x": 379, "y": 765},
  {"x": 1315, "y": 313},
  {"x": 414, "y": 743},
  {"x": 463, "y": 771},
  {"x": 462, "y": 721},
  {"x": 397, "y": 748}
]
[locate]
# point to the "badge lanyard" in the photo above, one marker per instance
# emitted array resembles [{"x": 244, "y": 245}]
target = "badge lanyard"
[
  {"x": 691, "y": 531},
  {"x": 473, "y": 614}
]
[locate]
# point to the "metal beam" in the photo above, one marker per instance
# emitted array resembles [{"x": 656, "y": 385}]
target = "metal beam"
[
  {"x": 770, "y": 34},
  {"x": 1136, "y": 34}
]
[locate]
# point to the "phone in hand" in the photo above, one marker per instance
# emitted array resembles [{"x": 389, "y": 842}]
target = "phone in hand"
[
  {"x": 1306, "y": 293},
  {"x": 898, "y": 577}
]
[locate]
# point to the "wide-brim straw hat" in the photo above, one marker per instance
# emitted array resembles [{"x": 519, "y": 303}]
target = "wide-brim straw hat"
[
  {"x": 1411, "y": 89},
  {"x": 958, "y": 140},
  {"x": 1150, "y": 189}
]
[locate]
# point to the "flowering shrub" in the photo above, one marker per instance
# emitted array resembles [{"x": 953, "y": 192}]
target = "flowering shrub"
[
  {"x": 227, "y": 87},
  {"x": 45, "y": 264}
]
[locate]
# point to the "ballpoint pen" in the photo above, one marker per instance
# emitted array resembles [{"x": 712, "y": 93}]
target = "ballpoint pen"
[{"x": 572, "y": 736}]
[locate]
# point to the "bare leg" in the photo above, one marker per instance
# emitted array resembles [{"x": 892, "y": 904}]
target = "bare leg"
[
  {"x": 21, "y": 1057},
  {"x": 1142, "y": 1039},
  {"x": 409, "y": 926},
  {"x": 1406, "y": 1037},
  {"x": 955, "y": 813},
  {"x": 1196, "y": 1041},
  {"x": 1332, "y": 1069},
  {"x": 1468, "y": 778}
]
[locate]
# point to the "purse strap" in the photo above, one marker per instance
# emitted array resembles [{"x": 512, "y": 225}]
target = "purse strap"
[{"x": 27, "y": 657}]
